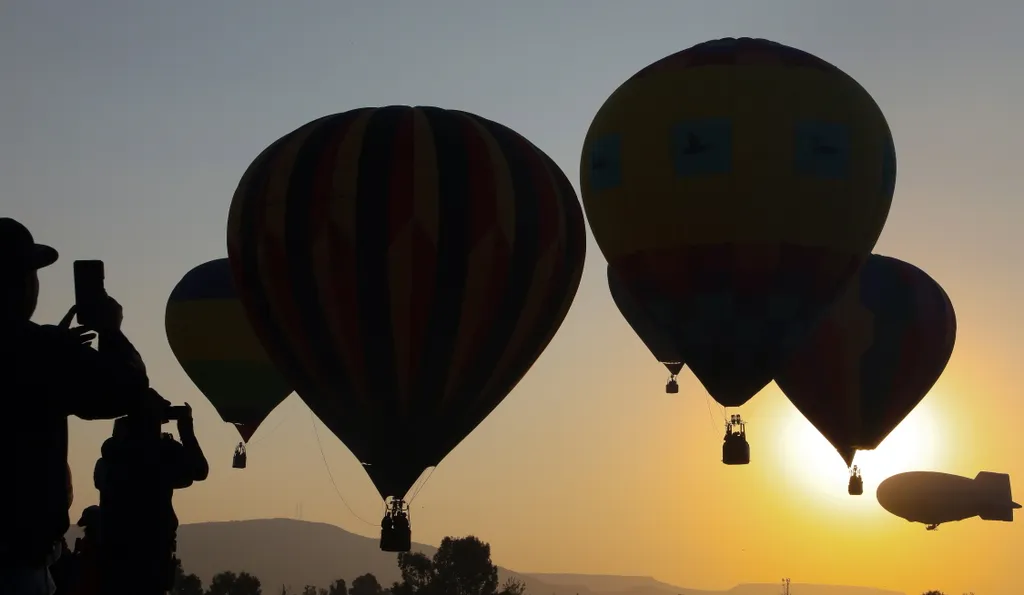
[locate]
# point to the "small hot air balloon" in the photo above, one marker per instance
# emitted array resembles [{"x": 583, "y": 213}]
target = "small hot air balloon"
[
  {"x": 647, "y": 328},
  {"x": 872, "y": 359},
  {"x": 211, "y": 338},
  {"x": 736, "y": 186},
  {"x": 405, "y": 266}
]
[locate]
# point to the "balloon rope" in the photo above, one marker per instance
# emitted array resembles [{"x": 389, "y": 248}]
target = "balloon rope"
[
  {"x": 337, "y": 491},
  {"x": 416, "y": 493},
  {"x": 711, "y": 416},
  {"x": 271, "y": 431}
]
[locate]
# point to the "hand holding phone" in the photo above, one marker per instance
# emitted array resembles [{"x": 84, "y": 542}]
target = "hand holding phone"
[
  {"x": 90, "y": 293},
  {"x": 178, "y": 412},
  {"x": 95, "y": 309}
]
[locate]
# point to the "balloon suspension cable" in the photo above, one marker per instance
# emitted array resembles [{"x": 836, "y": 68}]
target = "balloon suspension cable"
[
  {"x": 420, "y": 487},
  {"x": 397, "y": 505},
  {"x": 273, "y": 428},
  {"x": 736, "y": 426},
  {"x": 331, "y": 475},
  {"x": 711, "y": 416}
]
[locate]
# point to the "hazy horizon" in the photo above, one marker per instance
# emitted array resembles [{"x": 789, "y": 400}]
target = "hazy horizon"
[{"x": 126, "y": 129}]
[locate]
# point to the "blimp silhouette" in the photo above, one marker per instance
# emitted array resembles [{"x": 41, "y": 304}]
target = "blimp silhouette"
[{"x": 934, "y": 498}]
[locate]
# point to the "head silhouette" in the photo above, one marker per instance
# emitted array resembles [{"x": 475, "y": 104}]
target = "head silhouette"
[{"x": 20, "y": 260}]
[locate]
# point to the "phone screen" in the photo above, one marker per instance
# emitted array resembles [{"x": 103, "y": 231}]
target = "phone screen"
[{"x": 89, "y": 289}]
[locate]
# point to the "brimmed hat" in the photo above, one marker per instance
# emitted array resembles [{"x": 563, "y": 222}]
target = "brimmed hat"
[
  {"x": 90, "y": 515},
  {"x": 19, "y": 251}
]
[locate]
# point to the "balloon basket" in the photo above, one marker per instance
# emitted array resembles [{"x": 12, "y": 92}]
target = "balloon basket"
[
  {"x": 395, "y": 529},
  {"x": 856, "y": 487},
  {"x": 735, "y": 448},
  {"x": 239, "y": 460}
]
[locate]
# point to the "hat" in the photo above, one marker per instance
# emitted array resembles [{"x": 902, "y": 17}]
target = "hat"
[
  {"x": 89, "y": 516},
  {"x": 19, "y": 251}
]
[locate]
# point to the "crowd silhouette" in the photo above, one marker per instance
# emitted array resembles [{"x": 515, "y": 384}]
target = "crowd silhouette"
[{"x": 51, "y": 372}]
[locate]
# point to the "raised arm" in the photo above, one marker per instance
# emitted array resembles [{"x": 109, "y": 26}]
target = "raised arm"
[
  {"x": 191, "y": 463},
  {"x": 97, "y": 384}
]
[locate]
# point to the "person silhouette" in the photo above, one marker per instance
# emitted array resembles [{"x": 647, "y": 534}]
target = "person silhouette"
[
  {"x": 136, "y": 476},
  {"x": 48, "y": 373}
]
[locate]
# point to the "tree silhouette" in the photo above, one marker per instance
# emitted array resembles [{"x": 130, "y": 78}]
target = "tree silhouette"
[
  {"x": 460, "y": 567},
  {"x": 933, "y": 593},
  {"x": 229, "y": 583},
  {"x": 338, "y": 587},
  {"x": 417, "y": 574},
  {"x": 366, "y": 585},
  {"x": 185, "y": 584},
  {"x": 512, "y": 586},
  {"x": 463, "y": 567}
]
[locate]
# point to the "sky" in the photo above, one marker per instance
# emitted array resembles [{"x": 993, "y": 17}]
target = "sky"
[{"x": 126, "y": 126}]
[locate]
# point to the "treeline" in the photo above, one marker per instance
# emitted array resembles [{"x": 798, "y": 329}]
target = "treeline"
[{"x": 461, "y": 566}]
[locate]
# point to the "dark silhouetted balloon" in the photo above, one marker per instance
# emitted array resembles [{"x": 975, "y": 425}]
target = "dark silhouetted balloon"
[
  {"x": 646, "y": 327},
  {"x": 211, "y": 338},
  {"x": 934, "y": 498},
  {"x": 872, "y": 359},
  {"x": 405, "y": 267},
  {"x": 738, "y": 184}
]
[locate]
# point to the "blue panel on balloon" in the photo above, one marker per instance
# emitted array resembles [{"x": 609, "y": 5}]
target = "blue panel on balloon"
[
  {"x": 822, "y": 149},
  {"x": 606, "y": 162},
  {"x": 702, "y": 147}
]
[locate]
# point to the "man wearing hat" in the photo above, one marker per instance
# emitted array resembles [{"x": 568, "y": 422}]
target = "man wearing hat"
[{"x": 48, "y": 373}]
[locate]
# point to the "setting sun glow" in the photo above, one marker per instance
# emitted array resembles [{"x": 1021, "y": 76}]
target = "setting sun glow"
[{"x": 913, "y": 445}]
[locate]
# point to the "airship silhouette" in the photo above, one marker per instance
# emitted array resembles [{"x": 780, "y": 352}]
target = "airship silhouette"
[{"x": 934, "y": 498}]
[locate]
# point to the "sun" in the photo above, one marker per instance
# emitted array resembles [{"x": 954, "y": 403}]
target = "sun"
[{"x": 914, "y": 445}]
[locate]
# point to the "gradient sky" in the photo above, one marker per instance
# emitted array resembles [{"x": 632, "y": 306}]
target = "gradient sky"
[{"x": 125, "y": 130}]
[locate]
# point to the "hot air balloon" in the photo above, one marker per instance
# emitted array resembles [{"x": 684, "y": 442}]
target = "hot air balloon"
[
  {"x": 872, "y": 359},
  {"x": 211, "y": 338},
  {"x": 404, "y": 266},
  {"x": 647, "y": 328},
  {"x": 737, "y": 186}
]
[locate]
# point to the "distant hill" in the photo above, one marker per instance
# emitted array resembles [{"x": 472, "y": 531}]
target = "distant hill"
[
  {"x": 298, "y": 553},
  {"x": 600, "y": 584}
]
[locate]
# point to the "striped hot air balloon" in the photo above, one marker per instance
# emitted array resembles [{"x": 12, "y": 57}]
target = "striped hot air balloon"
[
  {"x": 405, "y": 266},
  {"x": 872, "y": 359},
  {"x": 211, "y": 338},
  {"x": 740, "y": 183}
]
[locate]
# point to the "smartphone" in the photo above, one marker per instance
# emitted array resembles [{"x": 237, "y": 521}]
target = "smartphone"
[
  {"x": 89, "y": 289},
  {"x": 176, "y": 412}
]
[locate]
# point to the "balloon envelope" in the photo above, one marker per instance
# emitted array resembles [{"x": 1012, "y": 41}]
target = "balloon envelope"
[
  {"x": 874, "y": 356},
  {"x": 405, "y": 266},
  {"x": 740, "y": 183},
  {"x": 644, "y": 325},
  {"x": 211, "y": 338}
]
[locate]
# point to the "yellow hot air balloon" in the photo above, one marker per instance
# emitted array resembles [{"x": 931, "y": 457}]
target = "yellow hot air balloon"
[
  {"x": 743, "y": 182},
  {"x": 211, "y": 338}
]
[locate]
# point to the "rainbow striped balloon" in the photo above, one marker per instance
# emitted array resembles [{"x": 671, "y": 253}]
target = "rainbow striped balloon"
[
  {"x": 405, "y": 266},
  {"x": 875, "y": 355}
]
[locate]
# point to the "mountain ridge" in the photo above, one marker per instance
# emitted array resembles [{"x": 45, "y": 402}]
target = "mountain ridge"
[{"x": 317, "y": 553}]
